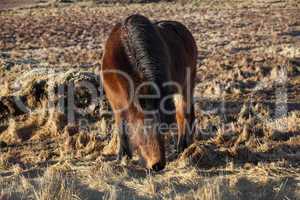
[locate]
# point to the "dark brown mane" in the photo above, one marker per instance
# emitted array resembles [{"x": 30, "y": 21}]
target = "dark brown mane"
[
  {"x": 147, "y": 53},
  {"x": 146, "y": 49}
]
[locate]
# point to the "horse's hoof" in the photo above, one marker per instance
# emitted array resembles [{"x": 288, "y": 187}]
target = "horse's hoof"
[
  {"x": 124, "y": 153},
  {"x": 119, "y": 157}
]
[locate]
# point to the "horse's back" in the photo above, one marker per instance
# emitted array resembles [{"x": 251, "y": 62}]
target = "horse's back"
[
  {"x": 182, "y": 48},
  {"x": 181, "y": 32}
]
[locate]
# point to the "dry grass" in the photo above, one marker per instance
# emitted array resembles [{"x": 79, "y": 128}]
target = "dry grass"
[
  {"x": 50, "y": 185},
  {"x": 248, "y": 73},
  {"x": 110, "y": 181}
]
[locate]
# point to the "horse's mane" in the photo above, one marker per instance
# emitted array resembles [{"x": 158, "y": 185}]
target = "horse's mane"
[
  {"x": 149, "y": 55},
  {"x": 145, "y": 48}
]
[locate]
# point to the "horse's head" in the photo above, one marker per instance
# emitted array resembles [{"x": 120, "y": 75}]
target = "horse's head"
[{"x": 149, "y": 142}]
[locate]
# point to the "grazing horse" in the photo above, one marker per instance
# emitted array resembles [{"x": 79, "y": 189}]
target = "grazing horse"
[{"x": 143, "y": 66}]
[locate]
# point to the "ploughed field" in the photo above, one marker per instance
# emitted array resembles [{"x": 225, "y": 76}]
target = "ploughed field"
[{"x": 247, "y": 102}]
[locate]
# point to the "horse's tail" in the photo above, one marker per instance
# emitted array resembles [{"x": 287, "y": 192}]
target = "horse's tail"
[{"x": 147, "y": 52}]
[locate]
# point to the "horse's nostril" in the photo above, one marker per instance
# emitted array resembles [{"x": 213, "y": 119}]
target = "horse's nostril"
[{"x": 158, "y": 166}]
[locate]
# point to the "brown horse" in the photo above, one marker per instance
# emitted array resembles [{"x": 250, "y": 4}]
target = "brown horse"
[{"x": 143, "y": 66}]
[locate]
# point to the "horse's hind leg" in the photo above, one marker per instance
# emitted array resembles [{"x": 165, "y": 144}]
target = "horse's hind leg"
[{"x": 185, "y": 118}]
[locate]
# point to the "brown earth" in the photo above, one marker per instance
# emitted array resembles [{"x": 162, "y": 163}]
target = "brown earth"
[{"x": 247, "y": 102}]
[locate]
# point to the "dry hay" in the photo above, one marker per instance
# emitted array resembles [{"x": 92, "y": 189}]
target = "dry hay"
[
  {"x": 46, "y": 112},
  {"x": 80, "y": 144},
  {"x": 244, "y": 148}
]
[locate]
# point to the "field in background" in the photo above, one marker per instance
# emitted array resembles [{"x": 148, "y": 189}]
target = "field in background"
[{"x": 247, "y": 103}]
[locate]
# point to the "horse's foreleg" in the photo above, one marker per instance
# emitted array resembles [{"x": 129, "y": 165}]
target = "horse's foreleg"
[
  {"x": 185, "y": 118},
  {"x": 119, "y": 144},
  {"x": 124, "y": 149},
  {"x": 121, "y": 135}
]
